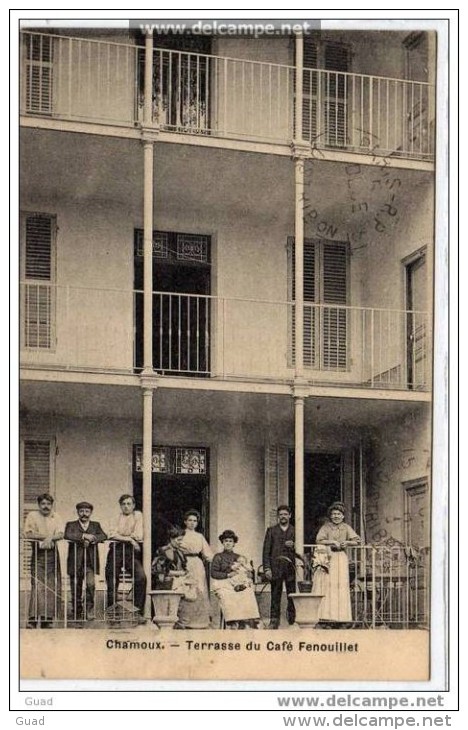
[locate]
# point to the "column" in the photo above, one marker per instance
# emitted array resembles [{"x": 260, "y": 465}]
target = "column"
[
  {"x": 301, "y": 151},
  {"x": 148, "y": 259},
  {"x": 299, "y": 267},
  {"x": 299, "y": 52},
  {"x": 148, "y": 147},
  {"x": 299, "y": 471},
  {"x": 147, "y": 488},
  {"x": 148, "y": 101}
]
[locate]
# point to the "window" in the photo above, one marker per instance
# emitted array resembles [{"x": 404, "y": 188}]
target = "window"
[
  {"x": 36, "y": 478},
  {"x": 182, "y": 77},
  {"x": 38, "y": 52},
  {"x": 417, "y": 512},
  {"x": 326, "y": 265},
  {"x": 324, "y": 107},
  {"x": 38, "y": 269}
]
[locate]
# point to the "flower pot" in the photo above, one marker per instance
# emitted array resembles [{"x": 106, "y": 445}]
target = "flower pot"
[
  {"x": 304, "y": 586},
  {"x": 165, "y": 605},
  {"x": 307, "y": 609}
]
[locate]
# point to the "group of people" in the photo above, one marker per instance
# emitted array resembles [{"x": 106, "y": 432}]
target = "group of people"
[
  {"x": 44, "y": 529},
  {"x": 181, "y": 563}
]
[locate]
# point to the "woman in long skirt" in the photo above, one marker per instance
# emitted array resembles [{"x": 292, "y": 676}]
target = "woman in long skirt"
[
  {"x": 195, "y": 613},
  {"x": 232, "y": 583},
  {"x": 332, "y": 580}
]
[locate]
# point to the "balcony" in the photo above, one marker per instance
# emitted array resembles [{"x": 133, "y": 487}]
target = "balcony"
[
  {"x": 102, "y": 82},
  {"x": 389, "y": 584},
  {"x": 389, "y": 588},
  {"x": 78, "y": 328}
]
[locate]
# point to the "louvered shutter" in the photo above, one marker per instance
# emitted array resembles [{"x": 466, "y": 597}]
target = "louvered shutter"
[
  {"x": 309, "y": 90},
  {"x": 336, "y": 61},
  {"x": 39, "y": 59},
  {"x": 36, "y": 480},
  {"x": 324, "y": 106},
  {"x": 334, "y": 291},
  {"x": 38, "y": 274},
  {"x": 310, "y": 314},
  {"x": 325, "y": 282},
  {"x": 276, "y": 481}
]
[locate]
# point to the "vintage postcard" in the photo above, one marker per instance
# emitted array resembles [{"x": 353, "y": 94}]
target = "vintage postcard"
[{"x": 227, "y": 247}]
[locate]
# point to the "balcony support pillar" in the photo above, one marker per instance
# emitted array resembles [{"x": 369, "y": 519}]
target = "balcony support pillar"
[
  {"x": 299, "y": 44},
  {"x": 148, "y": 147},
  {"x": 148, "y": 101},
  {"x": 147, "y": 489},
  {"x": 299, "y": 400},
  {"x": 299, "y": 266}
]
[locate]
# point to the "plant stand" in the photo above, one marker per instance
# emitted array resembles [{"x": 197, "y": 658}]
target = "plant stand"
[
  {"x": 307, "y": 609},
  {"x": 165, "y": 605}
]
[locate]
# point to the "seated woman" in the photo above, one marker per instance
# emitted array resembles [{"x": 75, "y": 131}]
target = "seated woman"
[
  {"x": 331, "y": 574},
  {"x": 170, "y": 562},
  {"x": 232, "y": 583}
]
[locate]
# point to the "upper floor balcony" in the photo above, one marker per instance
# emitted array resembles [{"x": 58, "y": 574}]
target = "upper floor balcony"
[
  {"x": 201, "y": 336},
  {"x": 219, "y": 97}
]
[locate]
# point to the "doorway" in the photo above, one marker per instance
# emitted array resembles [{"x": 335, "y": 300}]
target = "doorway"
[
  {"x": 179, "y": 481},
  {"x": 322, "y": 487},
  {"x": 181, "y": 303},
  {"x": 183, "y": 74},
  {"x": 416, "y": 284}
]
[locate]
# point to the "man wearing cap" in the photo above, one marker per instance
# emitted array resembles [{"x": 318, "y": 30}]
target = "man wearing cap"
[
  {"x": 126, "y": 535},
  {"x": 44, "y": 529},
  {"x": 279, "y": 563},
  {"x": 83, "y": 559}
]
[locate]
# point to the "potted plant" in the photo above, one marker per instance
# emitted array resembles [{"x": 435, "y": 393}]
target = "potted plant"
[
  {"x": 304, "y": 571},
  {"x": 306, "y": 603},
  {"x": 167, "y": 592}
]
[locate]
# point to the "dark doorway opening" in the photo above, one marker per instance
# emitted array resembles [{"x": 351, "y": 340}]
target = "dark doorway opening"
[
  {"x": 322, "y": 487},
  {"x": 416, "y": 282},
  {"x": 181, "y": 303},
  {"x": 171, "y": 496}
]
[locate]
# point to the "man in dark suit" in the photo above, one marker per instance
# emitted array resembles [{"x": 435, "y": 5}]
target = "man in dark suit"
[
  {"x": 83, "y": 559},
  {"x": 279, "y": 564}
]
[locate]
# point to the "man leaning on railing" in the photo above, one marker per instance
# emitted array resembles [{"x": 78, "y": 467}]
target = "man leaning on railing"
[
  {"x": 44, "y": 528},
  {"x": 126, "y": 535},
  {"x": 83, "y": 535}
]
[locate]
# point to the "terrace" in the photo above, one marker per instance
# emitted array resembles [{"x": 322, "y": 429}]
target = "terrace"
[{"x": 217, "y": 97}]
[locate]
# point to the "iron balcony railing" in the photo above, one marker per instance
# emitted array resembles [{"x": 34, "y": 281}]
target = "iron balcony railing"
[
  {"x": 389, "y": 585},
  {"x": 371, "y": 114},
  {"x": 198, "y": 335},
  {"x": 101, "y": 81},
  {"x": 63, "y": 586}
]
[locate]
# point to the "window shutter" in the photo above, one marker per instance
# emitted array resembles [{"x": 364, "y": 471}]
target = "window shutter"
[
  {"x": 335, "y": 270},
  {"x": 336, "y": 60},
  {"x": 37, "y": 319},
  {"x": 38, "y": 249},
  {"x": 335, "y": 291},
  {"x": 336, "y": 57},
  {"x": 325, "y": 282},
  {"x": 36, "y": 480},
  {"x": 276, "y": 481},
  {"x": 36, "y": 477},
  {"x": 309, "y": 87},
  {"x": 324, "y": 109},
  {"x": 310, "y": 288},
  {"x": 39, "y": 74}
]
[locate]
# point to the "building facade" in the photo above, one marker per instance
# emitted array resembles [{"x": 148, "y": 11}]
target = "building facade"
[{"x": 226, "y": 289}]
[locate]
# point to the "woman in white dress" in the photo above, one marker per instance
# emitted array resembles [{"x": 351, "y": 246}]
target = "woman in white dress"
[
  {"x": 232, "y": 583},
  {"x": 332, "y": 580},
  {"x": 196, "y": 612}
]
